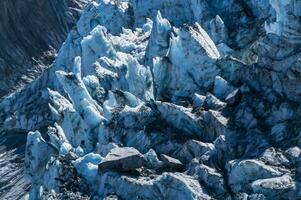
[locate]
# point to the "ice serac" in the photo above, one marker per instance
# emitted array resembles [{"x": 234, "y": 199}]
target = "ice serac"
[
  {"x": 159, "y": 40},
  {"x": 165, "y": 186},
  {"x": 78, "y": 93},
  {"x": 190, "y": 74},
  {"x": 167, "y": 100},
  {"x": 286, "y": 23}
]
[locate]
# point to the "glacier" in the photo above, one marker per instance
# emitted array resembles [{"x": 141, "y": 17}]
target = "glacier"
[{"x": 167, "y": 99}]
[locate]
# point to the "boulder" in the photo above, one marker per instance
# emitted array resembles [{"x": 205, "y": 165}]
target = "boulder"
[
  {"x": 122, "y": 159},
  {"x": 171, "y": 163}
]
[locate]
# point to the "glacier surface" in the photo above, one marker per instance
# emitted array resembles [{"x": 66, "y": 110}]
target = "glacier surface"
[{"x": 167, "y": 99}]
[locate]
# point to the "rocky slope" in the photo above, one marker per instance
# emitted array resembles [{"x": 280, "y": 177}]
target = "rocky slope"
[
  {"x": 167, "y": 99},
  {"x": 31, "y": 34}
]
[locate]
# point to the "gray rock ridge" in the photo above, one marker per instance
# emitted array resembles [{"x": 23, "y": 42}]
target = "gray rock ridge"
[
  {"x": 13, "y": 183},
  {"x": 214, "y": 94},
  {"x": 31, "y": 34}
]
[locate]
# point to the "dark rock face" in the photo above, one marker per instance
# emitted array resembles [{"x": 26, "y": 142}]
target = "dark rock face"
[
  {"x": 122, "y": 159},
  {"x": 31, "y": 32},
  {"x": 171, "y": 162},
  {"x": 13, "y": 184}
]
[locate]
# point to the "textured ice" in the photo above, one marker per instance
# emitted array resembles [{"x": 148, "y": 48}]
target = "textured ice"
[
  {"x": 87, "y": 166},
  {"x": 168, "y": 100}
]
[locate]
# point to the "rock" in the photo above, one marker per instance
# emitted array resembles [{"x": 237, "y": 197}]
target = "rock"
[
  {"x": 26, "y": 54},
  {"x": 122, "y": 159},
  {"x": 171, "y": 163}
]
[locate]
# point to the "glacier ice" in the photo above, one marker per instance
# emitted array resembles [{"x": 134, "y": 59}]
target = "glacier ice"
[{"x": 167, "y": 100}]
